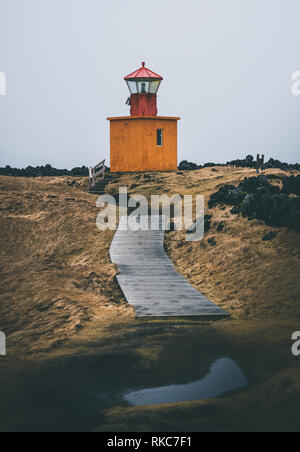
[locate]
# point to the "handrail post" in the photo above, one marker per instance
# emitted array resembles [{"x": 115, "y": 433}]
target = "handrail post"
[{"x": 97, "y": 171}]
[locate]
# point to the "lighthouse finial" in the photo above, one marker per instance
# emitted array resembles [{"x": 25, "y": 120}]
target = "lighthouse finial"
[{"x": 143, "y": 63}]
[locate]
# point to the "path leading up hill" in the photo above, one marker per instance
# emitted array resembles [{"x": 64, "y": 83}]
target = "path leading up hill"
[{"x": 149, "y": 280}]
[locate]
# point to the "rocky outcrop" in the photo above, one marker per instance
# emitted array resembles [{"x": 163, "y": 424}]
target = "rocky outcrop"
[
  {"x": 257, "y": 198},
  {"x": 291, "y": 185},
  {"x": 40, "y": 171},
  {"x": 248, "y": 162}
]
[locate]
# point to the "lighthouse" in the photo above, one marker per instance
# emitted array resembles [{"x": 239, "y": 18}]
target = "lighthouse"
[{"x": 143, "y": 141}]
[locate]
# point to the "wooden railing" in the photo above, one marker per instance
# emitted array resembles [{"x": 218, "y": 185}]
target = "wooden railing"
[{"x": 97, "y": 172}]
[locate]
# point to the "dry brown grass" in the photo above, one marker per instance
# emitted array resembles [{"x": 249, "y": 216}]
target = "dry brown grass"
[
  {"x": 63, "y": 310},
  {"x": 246, "y": 276},
  {"x": 56, "y": 275}
]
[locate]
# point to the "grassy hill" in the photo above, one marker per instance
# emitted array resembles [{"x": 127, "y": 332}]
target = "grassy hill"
[{"x": 70, "y": 331}]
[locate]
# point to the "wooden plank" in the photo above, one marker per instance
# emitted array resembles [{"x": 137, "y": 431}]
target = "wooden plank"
[{"x": 149, "y": 280}]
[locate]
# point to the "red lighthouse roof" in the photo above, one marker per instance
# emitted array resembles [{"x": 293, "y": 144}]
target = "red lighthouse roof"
[{"x": 143, "y": 72}]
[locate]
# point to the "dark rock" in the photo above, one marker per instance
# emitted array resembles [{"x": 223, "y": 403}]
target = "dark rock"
[
  {"x": 229, "y": 194},
  {"x": 269, "y": 236},
  {"x": 274, "y": 177},
  {"x": 247, "y": 200},
  {"x": 207, "y": 225},
  {"x": 71, "y": 183},
  {"x": 43, "y": 171},
  {"x": 249, "y": 162},
  {"x": 291, "y": 185},
  {"x": 255, "y": 197},
  {"x": 221, "y": 226},
  {"x": 235, "y": 211},
  {"x": 188, "y": 166},
  {"x": 210, "y": 165},
  {"x": 212, "y": 241}
]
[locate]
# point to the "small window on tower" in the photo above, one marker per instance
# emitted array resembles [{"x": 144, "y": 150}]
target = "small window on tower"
[{"x": 159, "y": 137}]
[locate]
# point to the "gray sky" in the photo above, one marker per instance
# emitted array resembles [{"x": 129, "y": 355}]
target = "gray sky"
[{"x": 227, "y": 67}]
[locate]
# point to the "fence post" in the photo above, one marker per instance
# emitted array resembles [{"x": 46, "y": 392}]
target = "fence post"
[{"x": 260, "y": 163}]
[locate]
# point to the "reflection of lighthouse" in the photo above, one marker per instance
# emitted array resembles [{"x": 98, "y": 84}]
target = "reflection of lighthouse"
[{"x": 143, "y": 141}]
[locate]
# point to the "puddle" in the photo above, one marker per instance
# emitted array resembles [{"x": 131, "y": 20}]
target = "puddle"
[{"x": 224, "y": 376}]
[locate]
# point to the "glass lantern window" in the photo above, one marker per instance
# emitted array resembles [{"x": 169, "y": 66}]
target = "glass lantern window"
[
  {"x": 153, "y": 88},
  {"x": 143, "y": 87},
  {"x": 132, "y": 87}
]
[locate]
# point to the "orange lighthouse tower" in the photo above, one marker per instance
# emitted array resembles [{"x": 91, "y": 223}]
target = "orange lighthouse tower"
[{"x": 143, "y": 141}]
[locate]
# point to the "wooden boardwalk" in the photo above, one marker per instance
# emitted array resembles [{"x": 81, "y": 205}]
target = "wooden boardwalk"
[{"x": 149, "y": 279}]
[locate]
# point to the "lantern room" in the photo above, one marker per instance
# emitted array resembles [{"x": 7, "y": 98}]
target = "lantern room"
[
  {"x": 143, "y": 141},
  {"x": 143, "y": 85}
]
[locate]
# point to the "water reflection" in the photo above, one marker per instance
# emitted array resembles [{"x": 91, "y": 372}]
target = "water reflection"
[{"x": 224, "y": 376}]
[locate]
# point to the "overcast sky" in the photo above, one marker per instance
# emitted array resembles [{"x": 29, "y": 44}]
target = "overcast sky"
[{"x": 227, "y": 67}]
